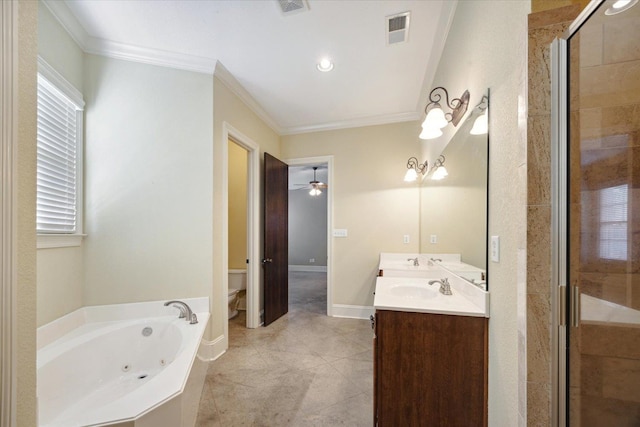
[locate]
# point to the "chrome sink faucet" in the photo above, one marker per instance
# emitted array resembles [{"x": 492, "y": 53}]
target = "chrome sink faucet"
[
  {"x": 185, "y": 311},
  {"x": 415, "y": 261},
  {"x": 445, "y": 287},
  {"x": 432, "y": 260}
]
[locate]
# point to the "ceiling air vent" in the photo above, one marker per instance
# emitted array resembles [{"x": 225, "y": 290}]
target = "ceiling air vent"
[
  {"x": 292, "y": 6},
  {"x": 398, "y": 28}
]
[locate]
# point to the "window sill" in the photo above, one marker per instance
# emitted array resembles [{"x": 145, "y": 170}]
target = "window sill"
[{"x": 50, "y": 241}]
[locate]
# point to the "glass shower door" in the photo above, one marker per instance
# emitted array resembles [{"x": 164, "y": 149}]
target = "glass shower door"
[{"x": 603, "y": 218}]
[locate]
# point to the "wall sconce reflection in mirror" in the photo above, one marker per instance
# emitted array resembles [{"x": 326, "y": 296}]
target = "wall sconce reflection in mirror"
[
  {"x": 436, "y": 118},
  {"x": 439, "y": 171},
  {"x": 481, "y": 124},
  {"x": 413, "y": 168}
]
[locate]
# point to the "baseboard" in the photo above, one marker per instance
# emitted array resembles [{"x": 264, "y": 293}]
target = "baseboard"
[
  {"x": 352, "y": 311},
  {"x": 211, "y": 350},
  {"x": 312, "y": 268}
]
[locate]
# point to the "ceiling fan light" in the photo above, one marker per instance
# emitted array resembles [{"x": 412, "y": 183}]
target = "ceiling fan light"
[{"x": 315, "y": 192}]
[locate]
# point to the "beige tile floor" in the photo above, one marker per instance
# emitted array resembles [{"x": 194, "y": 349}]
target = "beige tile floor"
[{"x": 305, "y": 369}]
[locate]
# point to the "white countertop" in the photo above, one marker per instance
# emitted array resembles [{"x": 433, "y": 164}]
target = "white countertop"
[{"x": 466, "y": 299}]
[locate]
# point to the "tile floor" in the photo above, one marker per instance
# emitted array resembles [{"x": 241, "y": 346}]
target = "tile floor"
[{"x": 305, "y": 369}]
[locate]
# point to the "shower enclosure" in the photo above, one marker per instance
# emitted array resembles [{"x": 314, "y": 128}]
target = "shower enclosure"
[{"x": 596, "y": 216}]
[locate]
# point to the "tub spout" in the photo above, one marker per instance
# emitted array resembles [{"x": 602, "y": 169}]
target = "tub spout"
[{"x": 185, "y": 311}]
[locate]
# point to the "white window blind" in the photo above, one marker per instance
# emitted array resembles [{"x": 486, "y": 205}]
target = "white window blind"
[
  {"x": 613, "y": 222},
  {"x": 59, "y": 126}
]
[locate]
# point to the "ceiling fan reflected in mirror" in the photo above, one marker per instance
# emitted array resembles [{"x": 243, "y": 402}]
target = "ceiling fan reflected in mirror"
[{"x": 315, "y": 187}]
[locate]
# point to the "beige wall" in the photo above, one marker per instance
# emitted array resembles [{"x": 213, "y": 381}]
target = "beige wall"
[
  {"x": 487, "y": 47},
  {"x": 26, "y": 208},
  {"x": 371, "y": 200},
  {"x": 148, "y": 186},
  {"x": 237, "y": 206},
  {"x": 229, "y": 108},
  {"x": 60, "y": 270}
]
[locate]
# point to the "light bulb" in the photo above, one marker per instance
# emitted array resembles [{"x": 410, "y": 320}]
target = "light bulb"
[
  {"x": 620, "y": 6},
  {"x": 411, "y": 175},
  {"x": 435, "y": 118},
  {"x": 315, "y": 192},
  {"x": 439, "y": 173},
  {"x": 325, "y": 65},
  {"x": 430, "y": 133},
  {"x": 480, "y": 125}
]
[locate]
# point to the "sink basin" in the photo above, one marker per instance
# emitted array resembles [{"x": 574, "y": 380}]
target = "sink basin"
[{"x": 409, "y": 291}]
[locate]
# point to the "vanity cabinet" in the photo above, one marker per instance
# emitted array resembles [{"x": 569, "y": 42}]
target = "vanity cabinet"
[{"x": 429, "y": 369}]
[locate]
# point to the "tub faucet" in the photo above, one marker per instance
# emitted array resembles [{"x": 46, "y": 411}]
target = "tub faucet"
[
  {"x": 445, "y": 288},
  {"x": 185, "y": 311},
  {"x": 415, "y": 261}
]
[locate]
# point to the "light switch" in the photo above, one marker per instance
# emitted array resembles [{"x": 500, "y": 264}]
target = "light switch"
[
  {"x": 495, "y": 248},
  {"x": 434, "y": 238},
  {"x": 405, "y": 239}
]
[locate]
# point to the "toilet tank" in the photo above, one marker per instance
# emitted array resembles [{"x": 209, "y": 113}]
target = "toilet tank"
[{"x": 237, "y": 279}]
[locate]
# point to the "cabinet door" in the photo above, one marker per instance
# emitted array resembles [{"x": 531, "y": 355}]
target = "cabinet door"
[{"x": 431, "y": 369}]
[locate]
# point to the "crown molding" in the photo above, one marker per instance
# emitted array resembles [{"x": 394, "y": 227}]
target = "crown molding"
[
  {"x": 148, "y": 56},
  {"x": 69, "y": 22},
  {"x": 234, "y": 86},
  {"x": 354, "y": 123}
]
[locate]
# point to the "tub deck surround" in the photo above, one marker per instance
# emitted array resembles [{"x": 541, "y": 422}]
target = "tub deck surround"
[
  {"x": 111, "y": 364},
  {"x": 466, "y": 299}
]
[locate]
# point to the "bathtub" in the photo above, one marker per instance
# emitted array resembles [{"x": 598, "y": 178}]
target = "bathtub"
[{"x": 121, "y": 365}]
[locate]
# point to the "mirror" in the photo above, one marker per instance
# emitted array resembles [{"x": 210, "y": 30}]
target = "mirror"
[{"x": 454, "y": 210}]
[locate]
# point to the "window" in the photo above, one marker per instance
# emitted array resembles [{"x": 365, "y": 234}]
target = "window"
[
  {"x": 613, "y": 223},
  {"x": 59, "y": 158}
]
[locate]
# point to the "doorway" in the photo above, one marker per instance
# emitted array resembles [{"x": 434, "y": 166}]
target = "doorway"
[
  {"x": 597, "y": 217},
  {"x": 310, "y": 223},
  {"x": 252, "y": 262},
  {"x": 237, "y": 242}
]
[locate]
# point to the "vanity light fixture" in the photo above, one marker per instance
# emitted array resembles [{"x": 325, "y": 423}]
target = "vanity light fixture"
[
  {"x": 436, "y": 118},
  {"x": 414, "y": 167},
  {"x": 440, "y": 171},
  {"x": 620, "y": 6},
  {"x": 325, "y": 65},
  {"x": 481, "y": 124}
]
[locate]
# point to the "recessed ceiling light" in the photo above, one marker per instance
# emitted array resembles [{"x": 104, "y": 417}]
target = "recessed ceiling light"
[
  {"x": 620, "y": 6},
  {"x": 325, "y": 64}
]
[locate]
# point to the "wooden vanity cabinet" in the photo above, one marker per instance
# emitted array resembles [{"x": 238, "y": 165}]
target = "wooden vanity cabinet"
[{"x": 430, "y": 369}]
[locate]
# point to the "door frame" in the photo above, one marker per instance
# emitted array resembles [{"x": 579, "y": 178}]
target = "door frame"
[
  {"x": 308, "y": 161},
  {"x": 565, "y": 310},
  {"x": 8, "y": 212},
  {"x": 253, "y": 226}
]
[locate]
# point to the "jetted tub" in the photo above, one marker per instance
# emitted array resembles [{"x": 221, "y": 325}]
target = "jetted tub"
[{"x": 121, "y": 365}]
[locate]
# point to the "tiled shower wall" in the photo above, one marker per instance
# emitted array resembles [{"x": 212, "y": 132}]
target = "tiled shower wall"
[{"x": 544, "y": 26}]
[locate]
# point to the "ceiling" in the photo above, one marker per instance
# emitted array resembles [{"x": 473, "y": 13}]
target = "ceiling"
[{"x": 270, "y": 57}]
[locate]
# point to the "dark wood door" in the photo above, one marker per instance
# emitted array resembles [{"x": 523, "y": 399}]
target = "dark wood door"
[{"x": 276, "y": 238}]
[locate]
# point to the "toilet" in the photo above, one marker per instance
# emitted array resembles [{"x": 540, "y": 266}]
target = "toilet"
[{"x": 237, "y": 283}]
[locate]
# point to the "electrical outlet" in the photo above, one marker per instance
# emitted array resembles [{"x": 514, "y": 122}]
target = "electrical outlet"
[
  {"x": 406, "y": 239},
  {"x": 312, "y": 260},
  {"x": 434, "y": 238},
  {"x": 339, "y": 232}
]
